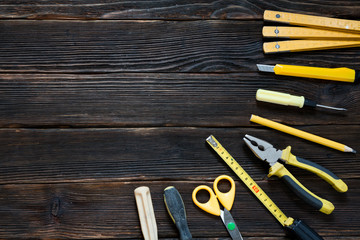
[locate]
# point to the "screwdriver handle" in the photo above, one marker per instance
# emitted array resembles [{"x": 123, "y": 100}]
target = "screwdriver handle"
[
  {"x": 336, "y": 74},
  {"x": 146, "y": 213},
  {"x": 176, "y": 210},
  {"x": 310, "y": 166},
  {"x": 302, "y": 231},
  {"x": 279, "y": 98},
  {"x": 300, "y": 190}
]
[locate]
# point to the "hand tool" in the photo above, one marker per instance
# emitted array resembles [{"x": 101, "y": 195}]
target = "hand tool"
[
  {"x": 146, "y": 213},
  {"x": 312, "y": 21},
  {"x": 289, "y": 100},
  {"x": 332, "y": 39},
  {"x": 306, "y": 33},
  {"x": 295, "y": 226},
  {"x": 337, "y": 74},
  {"x": 176, "y": 209},
  {"x": 266, "y": 152},
  {"x": 301, "y": 134},
  {"x": 212, "y": 205},
  {"x": 306, "y": 45}
]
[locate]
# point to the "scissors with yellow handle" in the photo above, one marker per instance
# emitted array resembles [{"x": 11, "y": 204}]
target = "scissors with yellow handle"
[{"x": 212, "y": 205}]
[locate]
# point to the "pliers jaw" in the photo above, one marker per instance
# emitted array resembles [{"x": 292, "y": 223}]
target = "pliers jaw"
[{"x": 262, "y": 149}]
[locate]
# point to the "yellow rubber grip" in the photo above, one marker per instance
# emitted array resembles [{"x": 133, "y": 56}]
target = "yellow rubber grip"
[
  {"x": 337, "y": 74},
  {"x": 279, "y": 98},
  {"x": 322, "y": 172},
  {"x": 321, "y": 204}
]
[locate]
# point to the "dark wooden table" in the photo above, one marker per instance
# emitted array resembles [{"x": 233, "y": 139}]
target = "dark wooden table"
[{"x": 100, "y": 97}]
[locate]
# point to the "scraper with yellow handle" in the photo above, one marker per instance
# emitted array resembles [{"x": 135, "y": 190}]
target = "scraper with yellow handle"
[
  {"x": 289, "y": 100},
  {"x": 336, "y": 74}
]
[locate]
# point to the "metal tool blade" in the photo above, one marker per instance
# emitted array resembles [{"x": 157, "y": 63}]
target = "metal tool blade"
[
  {"x": 230, "y": 225},
  {"x": 332, "y": 108},
  {"x": 265, "y": 68}
]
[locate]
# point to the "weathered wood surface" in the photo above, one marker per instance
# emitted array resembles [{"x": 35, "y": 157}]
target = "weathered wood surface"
[
  {"x": 108, "y": 210},
  {"x": 165, "y": 99},
  {"x": 66, "y": 155},
  {"x": 50, "y": 178},
  {"x": 101, "y": 97},
  {"x": 171, "y": 9},
  {"x": 147, "y": 46}
]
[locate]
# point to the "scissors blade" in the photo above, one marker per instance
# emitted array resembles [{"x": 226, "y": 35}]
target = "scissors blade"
[{"x": 230, "y": 225}]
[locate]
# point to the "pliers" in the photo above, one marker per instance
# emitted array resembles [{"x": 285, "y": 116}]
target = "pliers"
[{"x": 266, "y": 152}]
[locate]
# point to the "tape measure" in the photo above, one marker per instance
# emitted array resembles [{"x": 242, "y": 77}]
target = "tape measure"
[
  {"x": 325, "y": 34},
  {"x": 306, "y": 33},
  {"x": 306, "y": 45},
  {"x": 312, "y": 21},
  {"x": 249, "y": 182}
]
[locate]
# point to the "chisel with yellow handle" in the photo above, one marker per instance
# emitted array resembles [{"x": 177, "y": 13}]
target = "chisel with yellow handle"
[
  {"x": 306, "y": 33},
  {"x": 289, "y": 100},
  {"x": 336, "y": 74}
]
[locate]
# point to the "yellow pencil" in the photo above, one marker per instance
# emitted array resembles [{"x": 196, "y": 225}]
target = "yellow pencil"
[{"x": 301, "y": 134}]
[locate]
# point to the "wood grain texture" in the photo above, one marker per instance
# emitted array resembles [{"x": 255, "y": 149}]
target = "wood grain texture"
[
  {"x": 131, "y": 154},
  {"x": 101, "y": 97},
  {"x": 155, "y": 99},
  {"x": 147, "y": 46},
  {"x": 107, "y": 210},
  {"x": 171, "y": 9}
]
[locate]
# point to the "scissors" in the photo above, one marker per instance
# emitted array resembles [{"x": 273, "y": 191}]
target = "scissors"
[{"x": 212, "y": 205}]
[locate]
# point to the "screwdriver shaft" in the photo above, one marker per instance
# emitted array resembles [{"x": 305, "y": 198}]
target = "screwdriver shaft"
[{"x": 333, "y": 108}]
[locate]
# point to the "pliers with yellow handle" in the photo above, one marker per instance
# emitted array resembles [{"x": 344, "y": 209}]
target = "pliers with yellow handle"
[{"x": 266, "y": 152}]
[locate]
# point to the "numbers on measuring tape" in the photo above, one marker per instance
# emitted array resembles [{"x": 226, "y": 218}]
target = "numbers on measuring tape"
[{"x": 249, "y": 182}]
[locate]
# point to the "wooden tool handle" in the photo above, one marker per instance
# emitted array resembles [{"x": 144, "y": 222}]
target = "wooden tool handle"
[{"x": 146, "y": 213}]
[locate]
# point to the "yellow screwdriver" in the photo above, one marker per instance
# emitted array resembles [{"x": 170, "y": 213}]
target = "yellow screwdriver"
[
  {"x": 289, "y": 100},
  {"x": 336, "y": 74}
]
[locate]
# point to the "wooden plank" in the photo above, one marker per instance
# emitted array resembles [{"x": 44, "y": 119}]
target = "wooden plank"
[
  {"x": 133, "y": 154},
  {"x": 170, "y": 9},
  {"x": 146, "y": 46},
  {"x": 108, "y": 210},
  {"x": 165, "y": 100}
]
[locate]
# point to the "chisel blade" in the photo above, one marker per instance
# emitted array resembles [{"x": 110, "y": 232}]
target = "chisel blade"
[{"x": 265, "y": 68}]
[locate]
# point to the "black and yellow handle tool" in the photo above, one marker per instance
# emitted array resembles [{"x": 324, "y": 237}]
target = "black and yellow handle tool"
[
  {"x": 266, "y": 152},
  {"x": 176, "y": 209},
  {"x": 295, "y": 226},
  {"x": 342, "y": 74},
  {"x": 289, "y": 100}
]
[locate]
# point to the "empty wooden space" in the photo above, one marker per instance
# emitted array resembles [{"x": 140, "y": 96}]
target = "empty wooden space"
[{"x": 98, "y": 98}]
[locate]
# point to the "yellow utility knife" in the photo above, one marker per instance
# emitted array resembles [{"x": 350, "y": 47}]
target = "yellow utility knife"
[
  {"x": 289, "y": 100},
  {"x": 266, "y": 152},
  {"x": 336, "y": 74}
]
